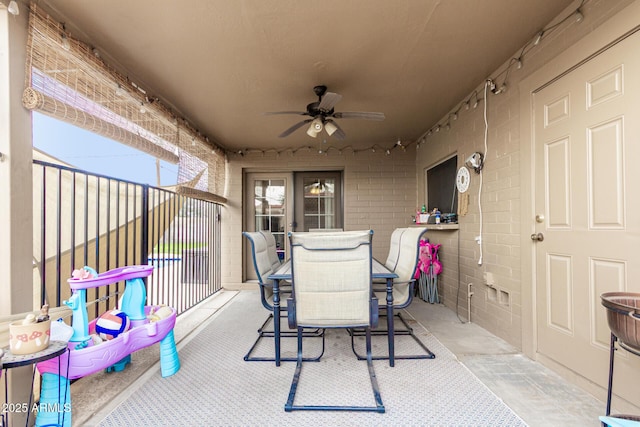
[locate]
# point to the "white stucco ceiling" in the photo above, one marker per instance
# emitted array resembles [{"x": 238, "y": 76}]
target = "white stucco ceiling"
[{"x": 223, "y": 63}]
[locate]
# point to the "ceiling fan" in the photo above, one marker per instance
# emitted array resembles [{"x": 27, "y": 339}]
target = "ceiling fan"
[{"x": 322, "y": 115}]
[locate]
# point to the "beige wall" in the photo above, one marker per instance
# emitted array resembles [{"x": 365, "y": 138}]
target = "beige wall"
[
  {"x": 15, "y": 189},
  {"x": 506, "y": 184},
  {"x": 15, "y": 168},
  {"x": 380, "y": 193}
]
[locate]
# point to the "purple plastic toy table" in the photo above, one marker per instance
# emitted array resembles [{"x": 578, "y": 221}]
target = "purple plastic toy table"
[{"x": 84, "y": 358}]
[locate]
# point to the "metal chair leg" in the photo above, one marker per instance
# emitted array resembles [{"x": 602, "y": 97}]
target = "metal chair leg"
[
  {"x": 399, "y": 332},
  {"x": 612, "y": 350},
  {"x": 372, "y": 375},
  {"x": 289, "y": 406},
  {"x": 262, "y": 333}
]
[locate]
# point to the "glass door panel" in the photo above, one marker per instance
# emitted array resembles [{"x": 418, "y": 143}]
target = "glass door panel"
[
  {"x": 318, "y": 200},
  {"x": 269, "y": 203},
  {"x": 267, "y": 207}
]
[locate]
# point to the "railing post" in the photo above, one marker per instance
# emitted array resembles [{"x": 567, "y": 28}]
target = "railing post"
[{"x": 144, "y": 233}]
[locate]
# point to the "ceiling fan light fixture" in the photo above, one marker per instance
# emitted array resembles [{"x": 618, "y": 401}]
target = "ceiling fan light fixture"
[
  {"x": 316, "y": 124},
  {"x": 330, "y": 127},
  {"x": 313, "y": 130}
]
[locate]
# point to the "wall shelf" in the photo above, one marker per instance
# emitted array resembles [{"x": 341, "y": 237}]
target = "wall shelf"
[{"x": 439, "y": 227}]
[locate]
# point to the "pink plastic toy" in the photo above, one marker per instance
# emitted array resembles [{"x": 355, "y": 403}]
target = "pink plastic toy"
[{"x": 85, "y": 358}]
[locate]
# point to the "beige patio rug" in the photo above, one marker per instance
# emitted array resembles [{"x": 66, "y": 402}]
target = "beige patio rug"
[{"x": 216, "y": 387}]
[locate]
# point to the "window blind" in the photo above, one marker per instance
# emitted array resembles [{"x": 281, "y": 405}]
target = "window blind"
[{"x": 66, "y": 79}]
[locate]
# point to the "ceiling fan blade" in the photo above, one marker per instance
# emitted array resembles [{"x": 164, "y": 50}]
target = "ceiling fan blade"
[
  {"x": 359, "y": 115},
  {"x": 294, "y": 128},
  {"x": 329, "y": 100},
  {"x": 271, "y": 113}
]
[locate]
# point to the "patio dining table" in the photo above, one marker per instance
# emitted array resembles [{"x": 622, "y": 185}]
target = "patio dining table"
[{"x": 378, "y": 271}]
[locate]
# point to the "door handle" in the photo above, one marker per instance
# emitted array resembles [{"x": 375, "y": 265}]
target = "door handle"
[{"x": 537, "y": 237}]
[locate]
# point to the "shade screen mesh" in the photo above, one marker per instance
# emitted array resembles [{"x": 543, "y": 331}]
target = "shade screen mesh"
[{"x": 66, "y": 79}]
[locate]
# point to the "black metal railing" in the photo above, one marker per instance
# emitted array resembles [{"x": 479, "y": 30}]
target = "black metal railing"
[{"x": 81, "y": 218}]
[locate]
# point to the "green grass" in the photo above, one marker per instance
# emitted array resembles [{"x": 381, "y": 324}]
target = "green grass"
[{"x": 176, "y": 248}]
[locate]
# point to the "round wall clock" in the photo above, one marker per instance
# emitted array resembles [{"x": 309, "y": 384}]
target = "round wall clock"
[{"x": 462, "y": 179}]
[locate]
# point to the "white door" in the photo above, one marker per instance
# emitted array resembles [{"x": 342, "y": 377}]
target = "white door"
[
  {"x": 268, "y": 206},
  {"x": 587, "y": 206}
]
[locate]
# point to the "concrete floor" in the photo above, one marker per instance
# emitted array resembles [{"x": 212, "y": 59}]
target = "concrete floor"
[{"x": 538, "y": 395}]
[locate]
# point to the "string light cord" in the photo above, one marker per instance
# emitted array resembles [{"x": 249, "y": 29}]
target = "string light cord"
[
  {"x": 538, "y": 38},
  {"x": 472, "y": 101}
]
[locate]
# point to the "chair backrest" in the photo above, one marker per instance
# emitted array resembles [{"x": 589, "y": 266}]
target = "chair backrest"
[
  {"x": 331, "y": 275},
  {"x": 272, "y": 249},
  {"x": 408, "y": 254},
  {"x": 260, "y": 251},
  {"x": 394, "y": 249}
]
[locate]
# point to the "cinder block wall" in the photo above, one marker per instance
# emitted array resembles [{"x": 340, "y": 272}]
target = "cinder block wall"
[
  {"x": 379, "y": 194},
  {"x": 499, "y": 307}
]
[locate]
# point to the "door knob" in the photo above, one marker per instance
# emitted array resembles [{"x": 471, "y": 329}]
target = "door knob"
[
  {"x": 539, "y": 218},
  {"x": 537, "y": 237}
]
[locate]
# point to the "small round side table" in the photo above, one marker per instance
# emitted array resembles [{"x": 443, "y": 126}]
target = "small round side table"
[{"x": 10, "y": 360}]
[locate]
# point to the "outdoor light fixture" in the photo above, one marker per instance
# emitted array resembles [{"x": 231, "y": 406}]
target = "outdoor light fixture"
[
  {"x": 65, "y": 42},
  {"x": 475, "y": 161},
  {"x": 499, "y": 90},
  {"x": 13, "y": 8},
  {"x": 538, "y": 38}
]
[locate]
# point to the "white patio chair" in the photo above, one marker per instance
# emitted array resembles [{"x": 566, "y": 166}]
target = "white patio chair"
[
  {"x": 265, "y": 265},
  {"x": 332, "y": 289},
  {"x": 404, "y": 250}
]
